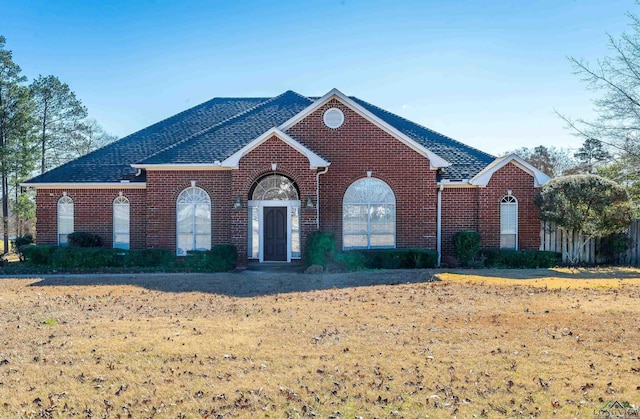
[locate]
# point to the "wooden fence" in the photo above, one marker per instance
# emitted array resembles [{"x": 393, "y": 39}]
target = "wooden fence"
[{"x": 555, "y": 240}]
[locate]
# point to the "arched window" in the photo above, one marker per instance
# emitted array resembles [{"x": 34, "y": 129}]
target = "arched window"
[
  {"x": 275, "y": 187},
  {"x": 121, "y": 223},
  {"x": 193, "y": 220},
  {"x": 368, "y": 215},
  {"x": 65, "y": 220},
  {"x": 509, "y": 222}
]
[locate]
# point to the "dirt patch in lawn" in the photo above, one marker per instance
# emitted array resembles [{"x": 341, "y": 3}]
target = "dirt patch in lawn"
[{"x": 275, "y": 345}]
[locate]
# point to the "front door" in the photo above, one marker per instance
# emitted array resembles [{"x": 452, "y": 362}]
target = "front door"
[{"x": 275, "y": 233}]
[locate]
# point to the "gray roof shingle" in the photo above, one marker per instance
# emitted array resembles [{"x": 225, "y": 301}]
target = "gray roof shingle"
[
  {"x": 465, "y": 161},
  {"x": 214, "y": 130},
  {"x": 112, "y": 163}
]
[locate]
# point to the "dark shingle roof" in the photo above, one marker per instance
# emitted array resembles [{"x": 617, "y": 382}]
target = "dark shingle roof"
[
  {"x": 112, "y": 162},
  {"x": 224, "y": 139},
  {"x": 216, "y": 129},
  {"x": 465, "y": 161}
]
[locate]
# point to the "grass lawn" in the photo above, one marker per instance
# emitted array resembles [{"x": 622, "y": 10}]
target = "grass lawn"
[{"x": 542, "y": 342}]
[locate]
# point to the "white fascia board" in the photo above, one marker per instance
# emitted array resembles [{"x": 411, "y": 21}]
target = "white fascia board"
[
  {"x": 193, "y": 166},
  {"x": 455, "y": 184},
  {"x": 484, "y": 176},
  {"x": 87, "y": 185},
  {"x": 435, "y": 160},
  {"x": 315, "y": 161}
]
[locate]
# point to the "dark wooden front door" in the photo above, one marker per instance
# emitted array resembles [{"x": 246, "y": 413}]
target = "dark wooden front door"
[{"x": 275, "y": 233}]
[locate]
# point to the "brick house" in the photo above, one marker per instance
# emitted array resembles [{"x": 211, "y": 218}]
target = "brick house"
[{"x": 262, "y": 173}]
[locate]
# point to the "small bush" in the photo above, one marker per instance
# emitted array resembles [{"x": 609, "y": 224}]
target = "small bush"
[
  {"x": 37, "y": 255},
  {"x": 320, "y": 248},
  {"x": 520, "y": 259},
  {"x": 221, "y": 258},
  {"x": 83, "y": 239},
  {"x": 20, "y": 241},
  {"x": 612, "y": 246},
  {"x": 466, "y": 245}
]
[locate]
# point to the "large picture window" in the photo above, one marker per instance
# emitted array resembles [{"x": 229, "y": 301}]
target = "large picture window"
[
  {"x": 509, "y": 222},
  {"x": 193, "y": 221},
  {"x": 121, "y": 236},
  {"x": 65, "y": 220},
  {"x": 368, "y": 215}
]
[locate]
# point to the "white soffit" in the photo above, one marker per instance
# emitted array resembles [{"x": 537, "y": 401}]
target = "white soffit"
[
  {"x": 315, "y": 161},
  {"x": 435, "y": 160},
  {"x": 484, "y": 176}
]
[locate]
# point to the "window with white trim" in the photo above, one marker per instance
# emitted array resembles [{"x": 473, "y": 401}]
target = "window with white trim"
[
  {"x": 65, "y": 220},
  {"x": 368, "y": 215},
  {"x": 193, "y": 220},
  {"x": 121, "y": 222},
  {"x": 509, "y": 222}
]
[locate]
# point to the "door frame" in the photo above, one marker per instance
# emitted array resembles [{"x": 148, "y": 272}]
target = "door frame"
[{"x": 272, "y": 203}]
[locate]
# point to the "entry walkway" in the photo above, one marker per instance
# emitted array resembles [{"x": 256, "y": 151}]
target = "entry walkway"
[{"x": 274, "y": 267}]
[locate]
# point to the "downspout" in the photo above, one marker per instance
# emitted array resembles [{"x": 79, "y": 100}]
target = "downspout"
[
  {"x": 326, "y": 169},
  {"x": 439, "y": 226}
]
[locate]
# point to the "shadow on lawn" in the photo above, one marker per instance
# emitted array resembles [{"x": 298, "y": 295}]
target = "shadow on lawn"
[{"x": 242, "y": 284}]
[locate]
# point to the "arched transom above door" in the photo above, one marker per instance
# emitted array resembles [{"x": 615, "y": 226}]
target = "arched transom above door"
[{"x": 275, "y": 188}]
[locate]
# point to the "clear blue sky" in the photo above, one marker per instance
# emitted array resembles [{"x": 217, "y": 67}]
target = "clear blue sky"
[{"x": 487, "y": 73}]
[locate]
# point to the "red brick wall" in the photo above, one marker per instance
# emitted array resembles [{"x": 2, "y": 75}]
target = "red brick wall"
[
  {"x": 358, "y": 146},
  {"x": 93, "y": 212},
  {"x": 521, "y": 184},
  {"x": 460, "y": 208},
  {"x": 255, "y": 165},
  {"x": 163, "y": 188},
  {"x": 478, "y": 209}
]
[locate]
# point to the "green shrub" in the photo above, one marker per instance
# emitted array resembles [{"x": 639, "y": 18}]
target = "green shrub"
[
  {"x": 520, "y": 259},
  {"x": 221, "y": 258},
  {"x": 83, "y": 239},
  {"x": 351, "y": 261},
  {"x": 87, "y": 258},
  {"x": 423, "y": 258},
  {"x": 612, "y": 246},
  {"x": 388, "y": 259},
  {"x": 320, "y": 248},
  {"x": 144, "y": 258},
  {"x": 37, "y": 255},
  {"x": 20, "y": 241},
  {"x": 466, "y": 245}
]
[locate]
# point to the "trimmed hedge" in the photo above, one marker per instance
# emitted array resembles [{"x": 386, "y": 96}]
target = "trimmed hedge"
[
  {"x": 37, "y": 255},
  {"x": 466, "y": 245},
  {"x": 355, "y": 260},
  {"x": 520, "y": 259},
  {"x": 219, "y": 259},
  {"x": 321, "y": 247},
  {"x": 82, "y": 239}
]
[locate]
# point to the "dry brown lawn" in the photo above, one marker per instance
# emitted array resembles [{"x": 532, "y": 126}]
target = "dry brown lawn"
[{"x": 286, "y": 345}]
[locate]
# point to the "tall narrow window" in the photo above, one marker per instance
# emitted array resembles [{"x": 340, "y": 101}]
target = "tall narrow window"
[
  {"x": 121, "y": 223},
  {"x": 368, "y": 215},
  {"x": 509, "y": 222},
  {"x": 193, "y": 220},
  {"x": 65, "y": 220}
]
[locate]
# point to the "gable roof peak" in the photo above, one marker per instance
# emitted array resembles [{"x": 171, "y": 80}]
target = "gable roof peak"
[{"x": 435, "y": 160}]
